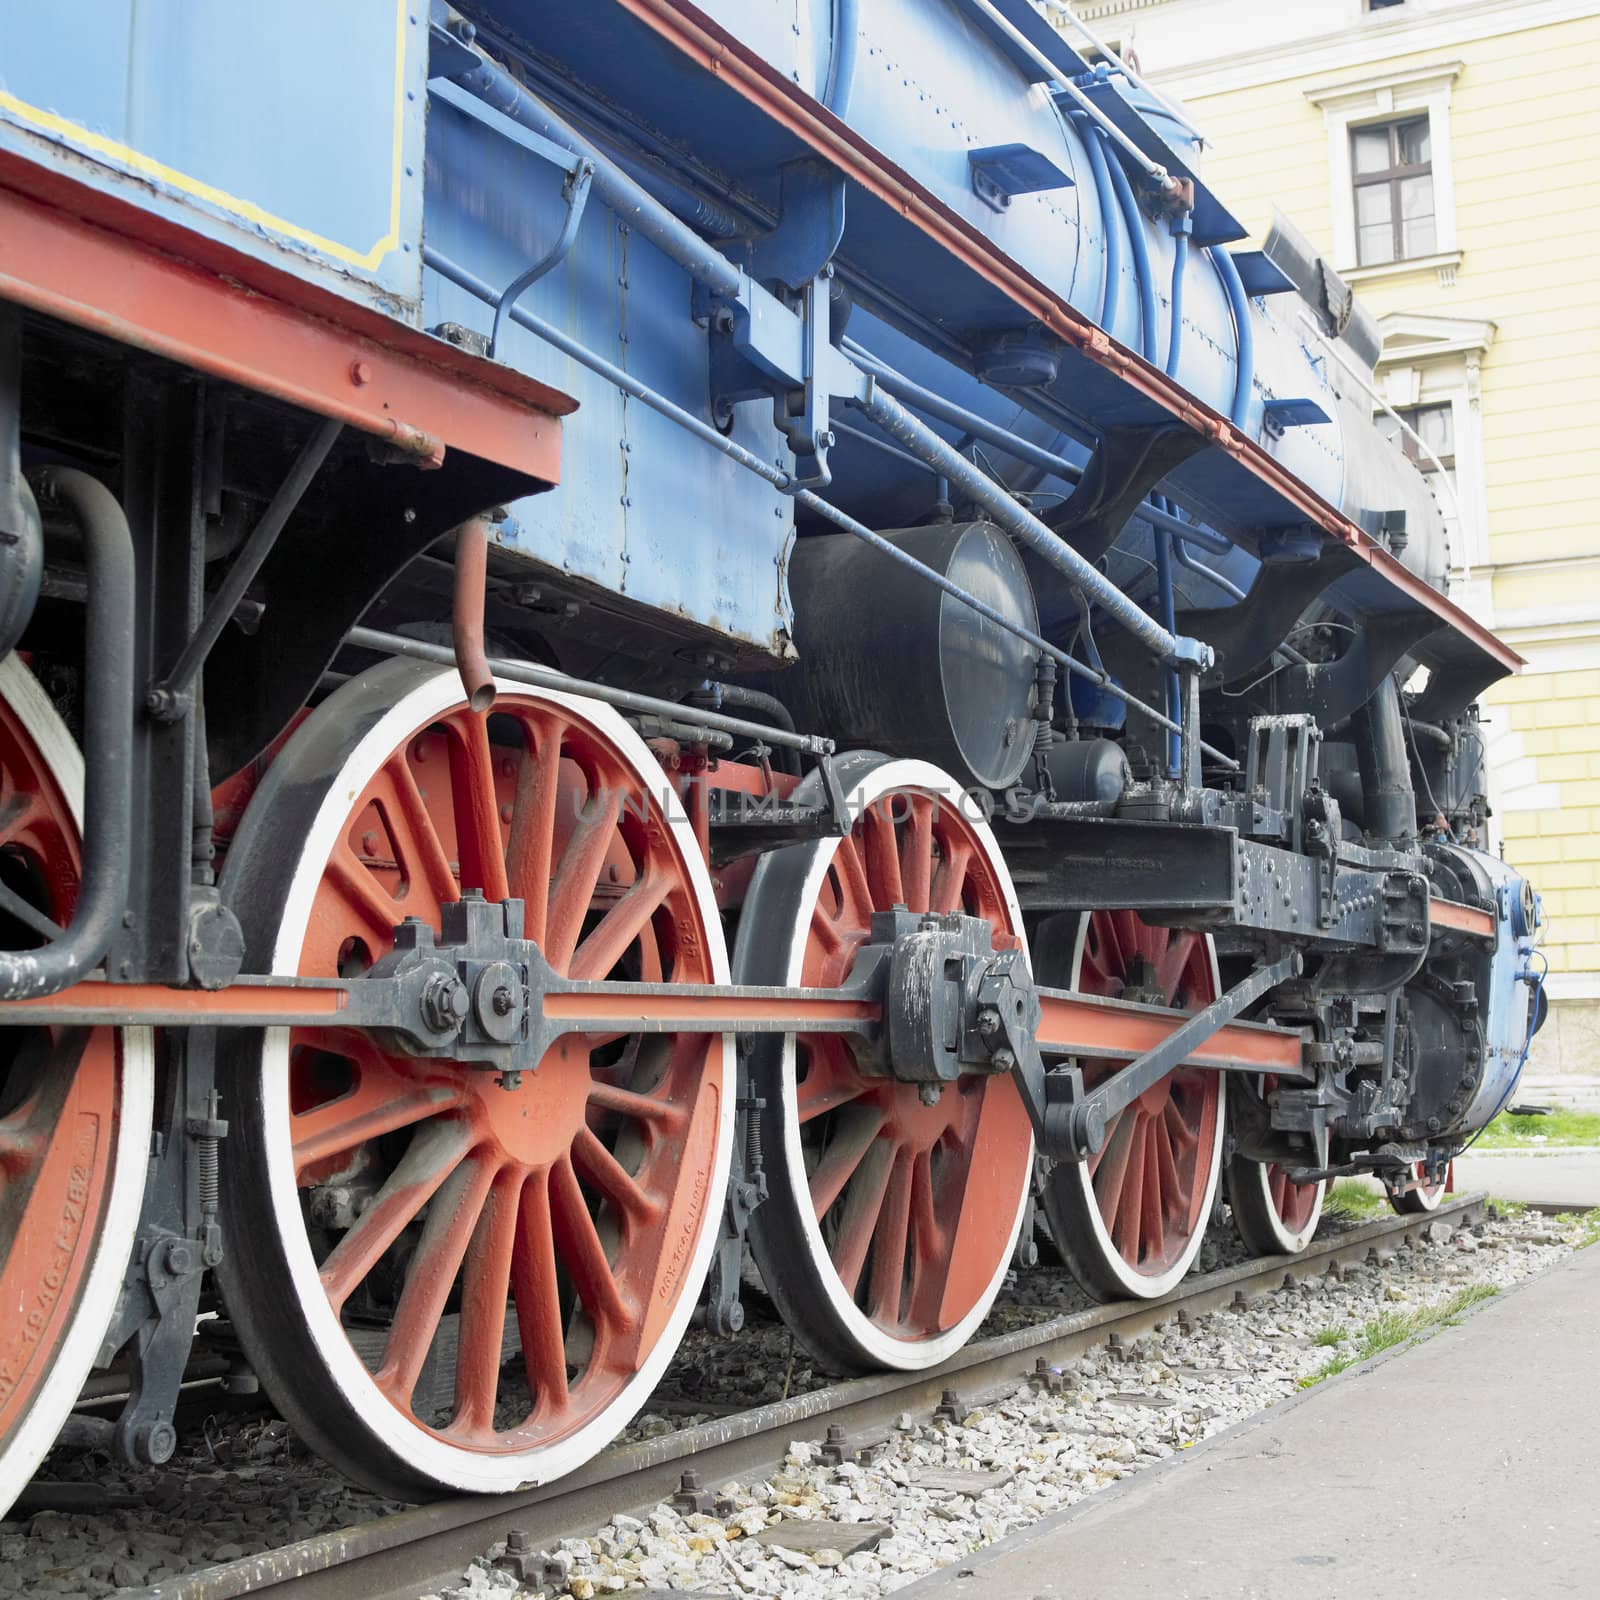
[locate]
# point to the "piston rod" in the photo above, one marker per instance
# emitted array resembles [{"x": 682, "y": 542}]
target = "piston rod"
[{"x": 1072, "y": 1025}]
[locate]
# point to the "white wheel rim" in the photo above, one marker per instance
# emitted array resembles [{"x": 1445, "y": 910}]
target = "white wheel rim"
[
  {"x": 426, "y": 1454},
  {"x": 1290, "y": 1242},
  {"x": 875, "y": 1343},
  {"x": 58, "y": 1393},
  {"x": 1136, "y": 1284}
]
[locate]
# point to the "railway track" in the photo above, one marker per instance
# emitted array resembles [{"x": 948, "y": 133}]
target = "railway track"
[{"x": 399, "y": 1556}]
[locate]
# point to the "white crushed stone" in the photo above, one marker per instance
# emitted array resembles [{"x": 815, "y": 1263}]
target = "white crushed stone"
[
  {"x": 947, "y": 1488},
  {"x": 244, "y": 1485}
]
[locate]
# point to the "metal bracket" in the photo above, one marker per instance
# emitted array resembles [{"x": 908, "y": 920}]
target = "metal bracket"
[
  {"x": 575, "y": 192},
  {"x": 785, "y": 350},
  {"x": 1125, "y": 467},
  {"x": 1070, "y": 1122},
  {"x": 179, "y": 1237},
  {"x": 809, "y": 228}
]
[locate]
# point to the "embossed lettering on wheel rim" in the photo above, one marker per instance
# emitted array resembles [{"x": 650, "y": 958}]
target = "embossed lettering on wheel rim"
[
  {"x": 63, "y": 1155},
  {"x": 574, "y": 1204}
]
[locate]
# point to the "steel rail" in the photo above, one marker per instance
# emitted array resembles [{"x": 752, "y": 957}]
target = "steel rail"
[{"x": 403, "y": 1555}]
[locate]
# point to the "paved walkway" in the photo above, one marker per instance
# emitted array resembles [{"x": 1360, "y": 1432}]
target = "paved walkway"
[
  {"x": 1546, "y": 1177},
  {"x": 1465, "y": 1466}
]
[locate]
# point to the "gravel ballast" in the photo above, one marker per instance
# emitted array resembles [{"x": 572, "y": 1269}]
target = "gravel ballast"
[{"x": 936, "y": 1491}]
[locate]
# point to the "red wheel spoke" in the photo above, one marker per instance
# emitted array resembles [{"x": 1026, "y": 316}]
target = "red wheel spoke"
[
  {"x": 536, "y": 1288},
  {"x": 412, "y": 815},
  {"x": 641, "y": 1107},
  {"x": 579, "y": 1245},
  {"x": 21, "y": 1149},
  {"x": 852, "y": 1136},
  {"x": 828, "y": 1083},
  {"x": 1152, "y": 1223},
  {"x": 485, "y": 1289},
  {"x": 1105, "y": 1165},
  {"x": 1181, "y": 1134},
  {"x": 826, "y": 932},
  {"x": 856, "y": 908},
  {"x": 951, "y": 877},
  {"x": 1130, "y": 1197},
  {"x": 1173, "y": 1190},
  {"x": 572, "y": 891},
  {"x": 1172, "y": 962},
  {"x": 883, "y": 855},
  {"x": 916, "y": 855},
  {"x": 452, "y": 1217},
  {"x": 601, "y": 1170},
  {"x": 928, "y": 1237},
  {"x": 381, "y": 1102},
  {"x": 434, "y": 1153},
  {"x": 480, "y": 846},
  {"x": 889, "y": 1244},
  {"x": 367, "y": 907},
  {"x": 533, "y": 825},
  {"x": 20, "y": 814},
  {"x": 1109, "y": 1168},
  {"x": 858, "y": 1216},
  {"x": 620, "y": 926}
]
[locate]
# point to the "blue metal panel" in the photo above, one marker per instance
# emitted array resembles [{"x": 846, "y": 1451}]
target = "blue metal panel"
[
  {"x": 291, "y": 131},
  {"x": 642, "y": 510}
]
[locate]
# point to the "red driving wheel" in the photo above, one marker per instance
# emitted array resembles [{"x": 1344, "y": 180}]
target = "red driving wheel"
[
  {"x": 1130, "y": 1220},
  {"x": 451, "y": 1279}
]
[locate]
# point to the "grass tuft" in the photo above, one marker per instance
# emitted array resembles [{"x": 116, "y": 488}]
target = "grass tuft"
[
  {"x": 1560, "y": 1128},
  {"x": 1354, "y": 1201},
  {"x": 1330, "y": 1336},
  {"x": 1391, "y": 1328},
  {"x": 1581, "y": 1227}
]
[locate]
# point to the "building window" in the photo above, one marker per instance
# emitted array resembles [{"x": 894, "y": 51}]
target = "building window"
[
  {"x": 1435, "y": 428},
  {"x": 1391, "y": 167},
  {"x": 1389, "y": 170}
]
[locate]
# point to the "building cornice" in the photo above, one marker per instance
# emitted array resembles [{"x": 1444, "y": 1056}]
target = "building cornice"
[
  {"x": 1373, "y": 42},
  {"x": 1356, "y": 88},
  {"x": 1424, "y": 337}
]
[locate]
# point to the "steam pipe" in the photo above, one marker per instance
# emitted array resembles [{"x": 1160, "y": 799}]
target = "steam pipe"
[
  {"x": 1185, "y": 558},
  {"x": 842, "y": 57},
  {"x": 107, "y": 742},
  {"x": 466, "y": 617},
  {"x": 1243, "y": 332},
  {"x": 1143, "y": 276},
  {"x": 1111, "y": 290},
  {"x": 924, "y": 443},
  {"x": 1384, "y": 765}
]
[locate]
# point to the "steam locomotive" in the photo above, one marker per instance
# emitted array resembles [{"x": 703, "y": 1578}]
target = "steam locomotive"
[{"x": 646, "y": 637}]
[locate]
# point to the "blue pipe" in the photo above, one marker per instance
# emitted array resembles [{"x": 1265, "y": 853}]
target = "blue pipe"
[
  {"x": 1113, "y": 236},
  {"x": 1013, "y": 444},
  {"x": 1167, "y": 545},
  {"x": 1180, "y": 262},
  {"x": 841, "y": 57},
  {"x": 468, "y": 281},
  {"x": 1243, "y": 332},
  {"x": 1185, "y": 558},
  {"x": 1142, "y": 274},
  {"x": 632, "y": 203}
]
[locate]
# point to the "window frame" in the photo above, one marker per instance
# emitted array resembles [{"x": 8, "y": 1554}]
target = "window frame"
[
  {"x": 1389, "y": 97},
  {"x": 1390, "y": 178}
]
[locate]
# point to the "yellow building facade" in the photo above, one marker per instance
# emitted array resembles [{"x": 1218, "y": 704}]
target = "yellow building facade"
[{"x": 1441, "y": 154}]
